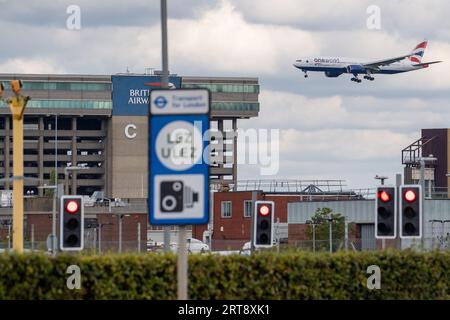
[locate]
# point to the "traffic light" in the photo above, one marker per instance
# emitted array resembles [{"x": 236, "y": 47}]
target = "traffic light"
[
  {"x": 16, "y": 86},
  {"x": 72, "y": 223},
  {"x": 386, "y": 213},
  {"x": 263, "y": 224},
  {"x": 410, "y": 211}
]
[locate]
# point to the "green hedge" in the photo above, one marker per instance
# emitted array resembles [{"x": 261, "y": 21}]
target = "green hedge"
[{"x": 404, "y": 275}]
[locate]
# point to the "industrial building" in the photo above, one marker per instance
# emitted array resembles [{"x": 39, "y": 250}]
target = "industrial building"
[
  {"x": 99, "y": 123},
  {"x": 433, "y": 145},
  {"x": 232, "y": 210}
]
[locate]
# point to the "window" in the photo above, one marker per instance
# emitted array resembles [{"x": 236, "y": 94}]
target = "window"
[
  {"x": 76, "y": 104},
  {"x": 247, "y": 208},
  {"x": 225, "y": 211}
]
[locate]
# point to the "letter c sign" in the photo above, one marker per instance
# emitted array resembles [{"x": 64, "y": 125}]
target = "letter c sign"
[{"x": 130, "y": 134}]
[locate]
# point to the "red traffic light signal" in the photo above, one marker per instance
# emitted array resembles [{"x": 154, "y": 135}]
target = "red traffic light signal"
[
  {"x": 264, "y": 210},
  {"x": 384, "y": 196},
  {"x": 72, "y": 206},
  {"x": 410, "y": 195}
]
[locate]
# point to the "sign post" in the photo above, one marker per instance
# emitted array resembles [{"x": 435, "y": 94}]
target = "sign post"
[{"x": 179, "y": 164}]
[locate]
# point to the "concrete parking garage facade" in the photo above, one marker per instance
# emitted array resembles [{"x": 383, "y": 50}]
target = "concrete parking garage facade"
[{"x": 100, "y": 122}]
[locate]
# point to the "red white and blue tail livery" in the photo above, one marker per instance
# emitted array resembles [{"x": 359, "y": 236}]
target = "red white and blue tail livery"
[
  {"x": 335, "y": 66},
  {"x": 418, "y": 51}
]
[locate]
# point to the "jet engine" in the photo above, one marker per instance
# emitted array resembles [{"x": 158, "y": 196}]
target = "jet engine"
[{"x": 356, "y": 68}]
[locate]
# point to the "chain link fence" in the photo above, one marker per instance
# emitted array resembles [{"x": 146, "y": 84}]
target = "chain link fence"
[{"x": 96, "y": 243}]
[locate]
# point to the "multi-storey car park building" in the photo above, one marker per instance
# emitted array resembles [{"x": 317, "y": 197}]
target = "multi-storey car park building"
[{"x": 100, "y": 123}]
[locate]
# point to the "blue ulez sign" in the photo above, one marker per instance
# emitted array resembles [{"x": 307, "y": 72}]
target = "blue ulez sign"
[
  {"x": 179, "y": 189},
  {"x": 130, "y": 94}
]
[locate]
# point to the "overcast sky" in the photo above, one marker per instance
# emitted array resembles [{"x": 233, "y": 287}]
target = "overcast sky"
[{"x": 329, "y": 127}]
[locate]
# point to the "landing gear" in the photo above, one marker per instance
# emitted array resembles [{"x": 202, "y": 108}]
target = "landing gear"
[
  {"x": 355, "y": 78},
  {"x": 306, "y": 74},
  {"x": 369, "y": 77}
]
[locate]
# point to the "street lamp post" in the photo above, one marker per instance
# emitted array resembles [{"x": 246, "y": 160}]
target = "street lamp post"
[
  {"x": 66, "y": 177},
  {"x": 17, "y": 105},
  {"x": 381, "y": 178}
]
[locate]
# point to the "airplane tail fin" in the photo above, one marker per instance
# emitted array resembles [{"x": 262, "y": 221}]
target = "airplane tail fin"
[{"x": 418, "y": 51}]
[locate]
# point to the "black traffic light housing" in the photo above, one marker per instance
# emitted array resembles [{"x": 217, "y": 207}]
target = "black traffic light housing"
[
  {"x": 263, "y": 224},
  {"x": 386, "y": 212},
  {"x": 72, "y": 223},
  {"x": 410, "y": 211}
]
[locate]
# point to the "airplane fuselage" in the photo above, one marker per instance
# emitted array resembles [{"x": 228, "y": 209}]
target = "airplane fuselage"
[{"x": 334, "y": 66}]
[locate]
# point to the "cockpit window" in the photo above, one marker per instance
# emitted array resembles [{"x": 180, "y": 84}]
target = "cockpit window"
[{"x": 299, "y": 60}]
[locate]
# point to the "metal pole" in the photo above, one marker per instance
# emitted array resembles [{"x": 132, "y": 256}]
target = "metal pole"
[
  {"x": 66, "y": 182},
  {"x": 54, "y": 222},
  {"x": 331, "y": 234},
  {"x": 17, "y": 181},
  {"x": 346, "y": 234},
  {"x": 56, "y": 150},
  {"x": 9, "y": 236},
  {"x": 120, "y": 233},
  {"x": 32, "y": 237},
  {"x": 252, "y": 244},
  {"x": 314, "y": 237},
  {"x": 164, "y": 85},
  {"x": 95, "y": 240},
  {"x": 182, "y": 270},
  {"x": 432, "y": 235},
  {"x": 139, "y": 237},
  {"x": 422, "y": 183},
  {"x": 100, "y": 238},
  {"x": 422, "y": 176},
  {"x": 164, "y": 46},
  {"x": 277, "y": 235}
]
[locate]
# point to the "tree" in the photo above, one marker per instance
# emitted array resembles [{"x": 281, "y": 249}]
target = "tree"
[
  {"x": 320, "y": 219},
  {"x": 49, "y": 192}
]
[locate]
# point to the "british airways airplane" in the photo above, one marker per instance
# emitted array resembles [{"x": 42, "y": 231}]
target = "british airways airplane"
[{"x": 335, "y": 66}]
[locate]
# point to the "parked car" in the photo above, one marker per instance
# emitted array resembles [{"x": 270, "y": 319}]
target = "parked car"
[{"x": 193, "y": 246}]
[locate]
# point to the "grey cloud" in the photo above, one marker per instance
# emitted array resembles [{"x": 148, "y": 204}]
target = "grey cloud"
[
  {"x": 400, "y": 17},
  {"x": 98, "y": 13}
]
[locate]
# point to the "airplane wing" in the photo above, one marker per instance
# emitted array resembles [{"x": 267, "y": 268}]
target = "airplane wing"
[{"x": 376, "y": 64}]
